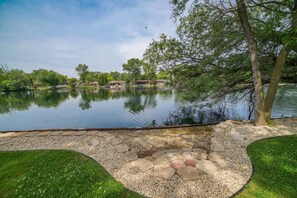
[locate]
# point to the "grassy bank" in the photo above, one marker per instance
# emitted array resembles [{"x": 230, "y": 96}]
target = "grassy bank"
[
  {"x": 275, "y": 168},
  {"x": 56, "y": 174}
]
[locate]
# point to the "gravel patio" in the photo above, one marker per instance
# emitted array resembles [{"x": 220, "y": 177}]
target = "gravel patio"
[{"x": 178, "y": 162}]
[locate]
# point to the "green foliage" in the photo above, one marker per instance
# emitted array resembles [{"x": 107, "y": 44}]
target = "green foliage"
[
  {"x": 104, "y": 78},
  {"x": 116, "y": 75},
  {"x": 12, "y": 80},
  {"x": 133, "y": 67},
  {"x": 56, "y": 174},
  {"x": 210, "y": 54},
  {"x": 72, "y": 81},
  {"x": 275, "y": 168},
  {"x": 82, "y": 71},
  {"x": 43, "y": 77},
  {"x": 165, "y": 74},
  {"x": 150, "y": 71}
]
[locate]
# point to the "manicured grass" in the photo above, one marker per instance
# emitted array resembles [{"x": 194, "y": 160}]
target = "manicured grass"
[
  {"x": 56, "y": 173},
  {"x": 275, "y": 168}
]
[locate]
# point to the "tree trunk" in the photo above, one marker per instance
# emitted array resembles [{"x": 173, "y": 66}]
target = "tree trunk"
[
  {"x": 257, "y": 79},
  {"x": 274, "y": 81},
  {"x": 277, "y": 70}
]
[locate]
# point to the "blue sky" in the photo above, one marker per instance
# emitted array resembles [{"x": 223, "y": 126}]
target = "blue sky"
[{"x": 60, "y": 34}]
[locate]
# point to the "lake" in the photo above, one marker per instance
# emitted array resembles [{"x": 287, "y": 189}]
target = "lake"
[{"x": 101, "y": 108}]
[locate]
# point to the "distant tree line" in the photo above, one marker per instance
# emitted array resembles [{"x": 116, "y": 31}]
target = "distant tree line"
[
  {"x": 134, "y": 69},
  {"x": 16, "y": 79}
]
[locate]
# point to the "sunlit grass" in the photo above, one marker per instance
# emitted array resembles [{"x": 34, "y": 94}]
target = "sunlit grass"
[
  {"x": 56, "y": 174},
  {"x": 275, "y": 168}
]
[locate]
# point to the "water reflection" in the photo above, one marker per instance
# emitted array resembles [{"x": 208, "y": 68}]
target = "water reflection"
[
  {"x": 20, "y": 101},
  {"x": 131, "y": 107},
  {"x": 50, "y": 99},
  {"x": 203, "y": 115},
  {"x": 139, "y": 100}
]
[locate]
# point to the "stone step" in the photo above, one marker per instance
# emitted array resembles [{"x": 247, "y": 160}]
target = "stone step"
[
  {"x": 116, "y": 141},
  {"x": 206, "y": 166},
  {"x": 188, "y": 173},
  {"x": 94, "y": 142},
  {"x": 109, "y": 137},
  {"x": 92, "y": 133},
  {"x": 79, "y": 133},
  {"x": 143, "y": 164},
  {"x": 121, "y": 148},
  {"x": 130, "y": 156},
  {"x": 217, "y": 147},
  {"x": 67, "y": 133},
  {"x": 164, "y": 172}
]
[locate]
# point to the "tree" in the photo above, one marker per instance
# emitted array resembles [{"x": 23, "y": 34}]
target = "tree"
[
  {"x": 2, "y": 76},
  {"x": 13, "y": 80},
  {"x": 149, "y": 71},
  {"x": 165, "y": 74},
  {"x": 91, "y": 77},
  {"x": 45, "y": 77},
  {"x": 72, "y": 81},
  {"x": 116, "y": 75},
  {"x": 257, "y": 76},
  {"x": 51, "y": 78},
  {"x": 133, "y": 67},
  {"x": 216, "y": 39},
  {"x": 82, "y": 71},
  {"x": 104, "y": 78}
]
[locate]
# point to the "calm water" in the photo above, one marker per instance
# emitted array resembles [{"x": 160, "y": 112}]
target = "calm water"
[{"x": 129, "y": 108}]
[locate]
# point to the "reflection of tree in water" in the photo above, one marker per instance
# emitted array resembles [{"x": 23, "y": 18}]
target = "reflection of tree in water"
[
  {"x": 197, "y": 115},
  {"x": 92, "y": 95},
  {"x": 165, "y": 94},
  {"x": 286, "y": 100},
  {"x": 23, "y": 100},
  {"x": 246, "y": 96},
  {"x": 74, "y": 93},
  {"x": 50, "y": 99},
  {"x": 15, "y": 101},
  {"x": 139, "y": 100},
  {"x": 288, "y": 92},
  {"x": 84, "y": 104}
]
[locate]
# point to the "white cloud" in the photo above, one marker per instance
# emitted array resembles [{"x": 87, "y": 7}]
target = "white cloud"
[
  {"x": 133, "y": 49},
  {"x": 61, "y": 35}
]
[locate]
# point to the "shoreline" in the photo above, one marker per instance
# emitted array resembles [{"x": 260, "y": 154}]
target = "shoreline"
[{"x": 139, "y": 128}]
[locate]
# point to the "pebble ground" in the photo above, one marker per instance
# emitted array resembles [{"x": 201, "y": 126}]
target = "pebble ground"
[{"x": 221, "y": 166}]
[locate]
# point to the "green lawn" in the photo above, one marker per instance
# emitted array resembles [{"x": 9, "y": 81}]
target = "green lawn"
[
  {"x": 56, "y": 173},
  {"x": 275, "y": 168}
]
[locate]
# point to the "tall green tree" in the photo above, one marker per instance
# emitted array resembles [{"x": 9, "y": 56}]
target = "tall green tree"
[
  {"x": 133, "y": 67},
  {"x": 149, "y": 71},
  {"x": 104, "y": 78},
  {"x": 116, "y": 75},
  {"x": 253, "y": 50},
  {"x": 13, "y": 80},
  {"x": 224, "y": 46},
  {"x": 72, "y": 81},
  {"x": 52, "y": 78},
  {"x": 82, "y": 71},
  {"x": 43, "y": 77}
]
